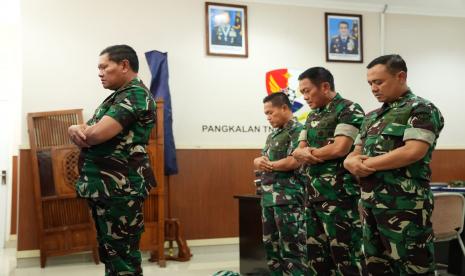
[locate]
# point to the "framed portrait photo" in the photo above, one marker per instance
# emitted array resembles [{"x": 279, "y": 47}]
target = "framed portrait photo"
[
  {"x": 226, "y": 29},
  {"x": 344, "y": 39}
]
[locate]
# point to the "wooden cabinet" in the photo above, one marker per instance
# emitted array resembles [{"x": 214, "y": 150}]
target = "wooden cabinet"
[
  {"x": 64, "y": 222},
  {"x": 154, "y": 206}
]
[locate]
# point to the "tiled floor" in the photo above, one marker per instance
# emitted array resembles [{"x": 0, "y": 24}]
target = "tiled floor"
[{"x": 206, "y": 261}]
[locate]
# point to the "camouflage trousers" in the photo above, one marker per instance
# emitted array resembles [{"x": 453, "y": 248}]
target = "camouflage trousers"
[
  {"x": 334, "y": 238},
  {"x": 119, "y": 223},
  {"x": 284, "y": 239},
  {"x": 398, "y": 242}
]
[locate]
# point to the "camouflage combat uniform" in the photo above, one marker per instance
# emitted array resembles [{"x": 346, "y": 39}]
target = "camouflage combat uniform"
[
  {"x": 397, "y": 230},
  {"x": 116, "y": 176},
  {"x": 333, "y": 223},
  {"x": 283, "y": 207}
]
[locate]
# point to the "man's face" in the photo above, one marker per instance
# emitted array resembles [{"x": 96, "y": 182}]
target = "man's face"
[
  {"x": 313, "y": 95},
  {"x": 385, "y": 86},
  {"x": 110, "y": 73},
  {"x": 343, "y": 29},
  {"x": 227, "y": 18},
  {"x": 276, "y": 116}
]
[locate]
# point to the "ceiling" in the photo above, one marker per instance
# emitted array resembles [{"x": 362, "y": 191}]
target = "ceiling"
[{"x": 454, "y": 8}]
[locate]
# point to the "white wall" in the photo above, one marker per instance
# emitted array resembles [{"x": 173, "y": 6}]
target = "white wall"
[
  {"x": 10, "y": 101},
  {"x": 434, "y": 50},
  {"x": 62, "y": 40}
]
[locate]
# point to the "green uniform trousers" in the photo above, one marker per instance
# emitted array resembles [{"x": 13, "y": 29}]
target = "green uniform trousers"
[
  {"x": 334, "y": 238},
  {"x": 119, "y": 223},
  {"x": 284, "y": 239},
  {"x": 398, "y": 242}
]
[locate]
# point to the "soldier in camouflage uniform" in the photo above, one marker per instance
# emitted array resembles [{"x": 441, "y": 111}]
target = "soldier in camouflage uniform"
[
  {"x": 282, "y": 194},
  {"x": 115, "y": 173},
  {"x": 333, "y": 222},
  {"x": 391, "y": 157}
]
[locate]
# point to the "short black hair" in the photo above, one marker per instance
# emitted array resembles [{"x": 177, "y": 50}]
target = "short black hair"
[
  {"x": 278, "y": 99},
  {"x": 318, "y": 75},
  {"x": 118, "y": 53},
  {"x": 343, "y": 22},
  {"x": 394, "y": 63}
]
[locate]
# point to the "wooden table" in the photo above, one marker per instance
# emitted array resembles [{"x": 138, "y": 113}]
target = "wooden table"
[{"x": 251, "y": 250}]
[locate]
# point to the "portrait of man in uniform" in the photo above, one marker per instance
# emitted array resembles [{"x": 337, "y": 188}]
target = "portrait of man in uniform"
[
  {"x": 343, "y": 42},
  {"x": 224, "y": 32},
  {"x": 344, "y": 37},
  {"x": 226, "y": 29}
]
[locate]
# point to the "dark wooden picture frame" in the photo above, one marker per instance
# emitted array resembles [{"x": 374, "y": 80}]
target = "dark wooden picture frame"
[
  {"x": 226, "y": 30},
  {"x": 344, "y": 37}
]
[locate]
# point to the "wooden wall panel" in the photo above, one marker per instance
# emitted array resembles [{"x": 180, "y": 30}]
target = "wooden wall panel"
[
  {"x": 201, "y": 195},
  {"x": 448, "y": 165},
  {"x": 27, "y": 220},
  {"x": 14, "y": 196}
]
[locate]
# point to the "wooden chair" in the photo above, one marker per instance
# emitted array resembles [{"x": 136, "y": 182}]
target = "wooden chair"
[
  {"x": 448, "y": 217},
  {"x": 65, "y": 224}
]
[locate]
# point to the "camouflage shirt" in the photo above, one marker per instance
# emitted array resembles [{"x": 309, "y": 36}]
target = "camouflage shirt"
[
  {"x": 281, "y": 188},
  {"x": 120, "y": 166},
  {"x": 329, "y": 180},
  {"x": 387, "y": 128}
]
